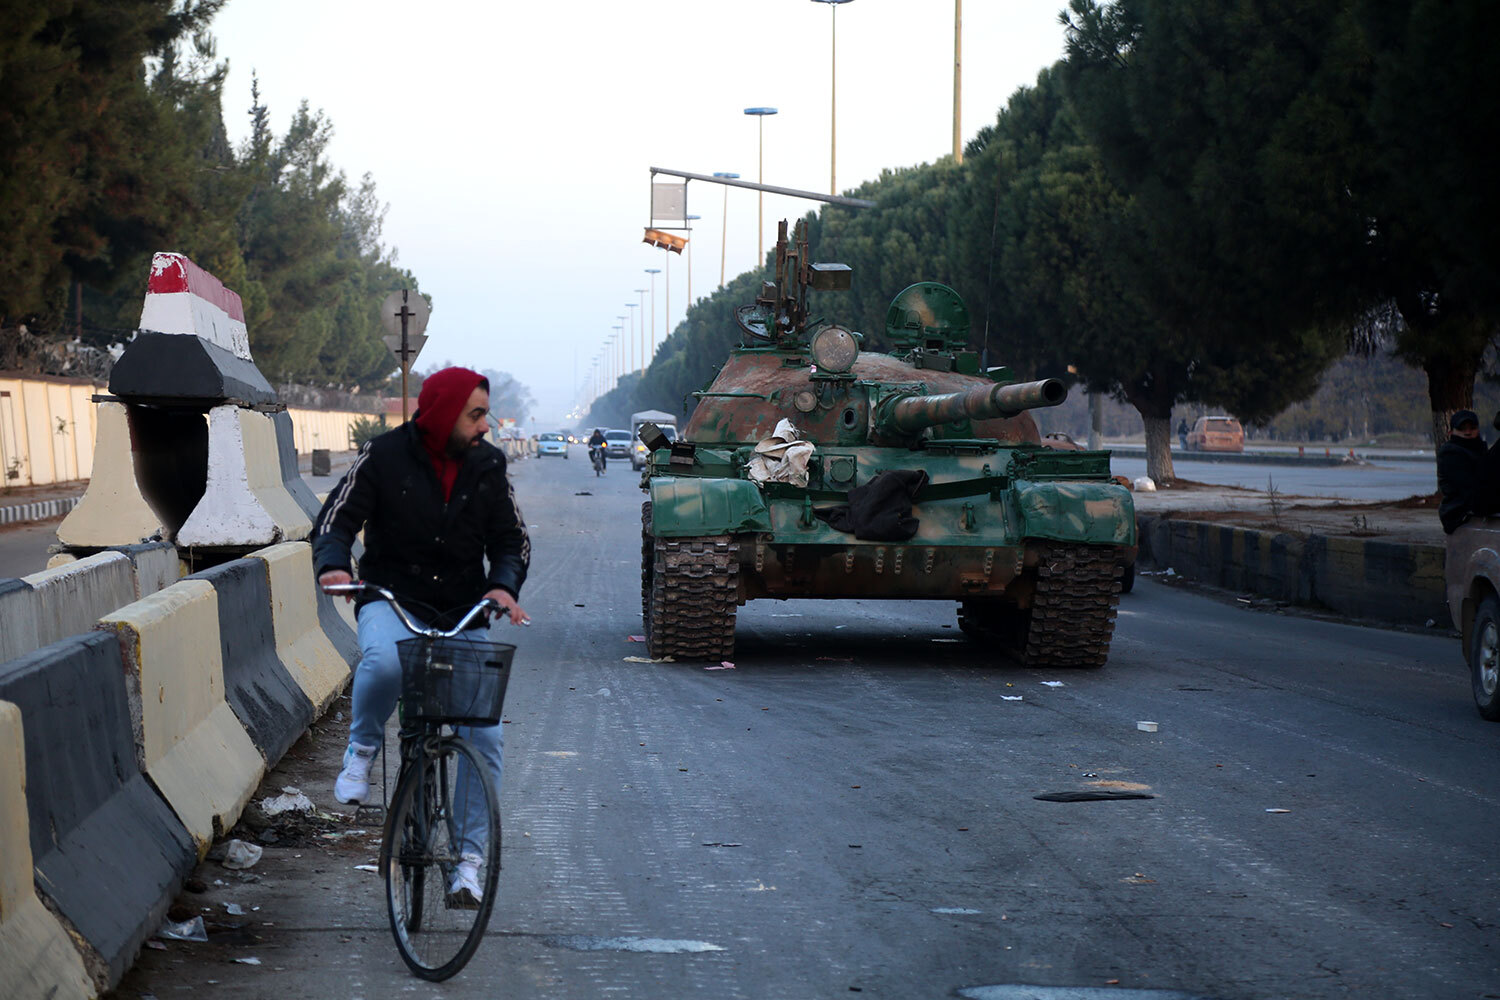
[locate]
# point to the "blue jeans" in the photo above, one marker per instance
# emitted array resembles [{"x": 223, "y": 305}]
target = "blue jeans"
[{"x": 376, "y": 689}]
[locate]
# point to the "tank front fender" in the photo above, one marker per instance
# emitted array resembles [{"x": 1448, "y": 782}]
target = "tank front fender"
[
  {"x": 682, "y": 507},
  {"x": 1092, "y": 513}
]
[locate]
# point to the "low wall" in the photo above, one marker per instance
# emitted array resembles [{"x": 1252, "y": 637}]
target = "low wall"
[
  {"x": 1395, "y": 582},
  {"x": 48, "y": 426}
]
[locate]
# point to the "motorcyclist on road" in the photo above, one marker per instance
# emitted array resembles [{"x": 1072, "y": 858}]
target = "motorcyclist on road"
[{"x": 596, "y": 440}]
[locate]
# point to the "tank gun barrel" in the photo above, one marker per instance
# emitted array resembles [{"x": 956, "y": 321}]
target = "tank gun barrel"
[{"x": 911, "y": 414}]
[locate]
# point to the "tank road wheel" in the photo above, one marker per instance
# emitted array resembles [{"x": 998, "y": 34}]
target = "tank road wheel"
[
  {"x": 1072, "y": 617},
  {"x": 691, "y": 597}
]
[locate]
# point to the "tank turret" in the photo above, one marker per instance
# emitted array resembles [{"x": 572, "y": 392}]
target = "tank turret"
[
  {"x": 906, "y": 414},
  {"x": 764, "y": 494}
]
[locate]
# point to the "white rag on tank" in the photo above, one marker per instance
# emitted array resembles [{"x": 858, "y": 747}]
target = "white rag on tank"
[{"x": 782, "y": 457}]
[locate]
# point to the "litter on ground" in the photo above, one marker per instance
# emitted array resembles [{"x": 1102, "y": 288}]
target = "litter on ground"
[{"x": 239, "y": 855}]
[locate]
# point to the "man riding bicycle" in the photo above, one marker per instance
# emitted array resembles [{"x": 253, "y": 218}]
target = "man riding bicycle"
[
  {"x": 596, "y": 440},
  {"x": 433, "y": 500}
]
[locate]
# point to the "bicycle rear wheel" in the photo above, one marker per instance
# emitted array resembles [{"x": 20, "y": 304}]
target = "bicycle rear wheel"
[{"x": 445, "y": 805}]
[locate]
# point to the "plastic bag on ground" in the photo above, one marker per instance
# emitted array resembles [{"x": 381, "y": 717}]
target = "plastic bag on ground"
[
  {"x": 290, "y": 800},
  {"x": 188, "y": 930},
  {"x": 238, "y": 854}
]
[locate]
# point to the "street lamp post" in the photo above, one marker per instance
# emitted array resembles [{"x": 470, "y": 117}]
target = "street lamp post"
[
  {"x": 631, "y": 306},
  {"x": 625, "y": 332},
  {"x": 760, "y": 216},
  {"x": 833, "y": 104},
  {"x": 690, "y": 220},
  {"x": 653, "y": 271},
  {"x": 958, "y": 34},
  {"x": 642, "y": 293},
  {"x": 724, "y": 230}
]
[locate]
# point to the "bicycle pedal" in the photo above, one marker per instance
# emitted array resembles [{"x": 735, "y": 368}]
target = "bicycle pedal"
[{"x": 369, "y": 809}]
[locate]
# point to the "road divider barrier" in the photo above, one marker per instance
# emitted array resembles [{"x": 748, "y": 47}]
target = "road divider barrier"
[
  {"x": 72, "y": 593},
  {"x": 1396, "y": 582},
  {"x": 189, "y": 741},
  {"x": 245, "y": 502},
  {"x": 114, "y": 509},
  {"x": 267, "y": 700},
  {"x": 155, "y": 565},
  {"x": 108, "y": 853},
  {"x": 315, "y": 642},
  {"x": 37, "y": 958},
  {"x": 291, "y": 475}
]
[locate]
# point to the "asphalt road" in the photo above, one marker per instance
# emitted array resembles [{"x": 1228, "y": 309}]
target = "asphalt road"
[
  {"x": 23, "y": 547},
  {"x": 851, "y": 810}
]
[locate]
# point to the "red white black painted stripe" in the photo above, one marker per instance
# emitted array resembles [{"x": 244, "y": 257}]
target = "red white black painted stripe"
[{"x": 182, "y": 298}]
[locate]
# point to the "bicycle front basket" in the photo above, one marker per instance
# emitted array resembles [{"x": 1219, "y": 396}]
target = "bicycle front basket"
[{"x": 456, "y": 681}]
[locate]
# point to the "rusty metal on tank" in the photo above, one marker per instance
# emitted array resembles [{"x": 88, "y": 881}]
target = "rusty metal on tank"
[{"x": 1028, "y": 540}]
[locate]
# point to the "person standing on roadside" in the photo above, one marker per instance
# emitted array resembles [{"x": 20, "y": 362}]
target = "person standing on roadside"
[
  {"x": 434, "y": 502},
  {"x": 1468, "y": 473}
]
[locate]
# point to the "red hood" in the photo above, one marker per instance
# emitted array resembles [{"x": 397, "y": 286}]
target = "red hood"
[{"x": 441, "y": 400}]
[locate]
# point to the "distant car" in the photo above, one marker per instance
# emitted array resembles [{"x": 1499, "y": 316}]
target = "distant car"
[
  {"x": 1216, "y": 434},
  {"x": 1061, "y": 441},
  {"x": 552, "y": 444},
  {"x": 616, "y": 444},
  {"x": 1472, "y": 573},
  {"x": 640, "y": 456}
]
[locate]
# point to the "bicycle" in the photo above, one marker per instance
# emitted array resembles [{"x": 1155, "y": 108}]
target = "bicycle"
[{"x": 446, "y": 682}]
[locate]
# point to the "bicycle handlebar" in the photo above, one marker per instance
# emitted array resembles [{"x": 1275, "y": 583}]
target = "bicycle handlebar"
[{"x": 362, "y": 587}]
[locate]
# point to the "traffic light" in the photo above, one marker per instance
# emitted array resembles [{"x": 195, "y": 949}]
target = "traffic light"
[{"x": 665, "y": 240}]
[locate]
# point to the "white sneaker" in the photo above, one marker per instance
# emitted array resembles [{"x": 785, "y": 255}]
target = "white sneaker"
[
  {"x": 353, "y": 784},
  {"x": 464, "y": 892}
]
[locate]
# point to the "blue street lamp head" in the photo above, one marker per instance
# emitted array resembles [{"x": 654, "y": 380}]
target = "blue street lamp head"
[
  {"x": 653, "y": 270},
  {"x": 726, "y": 175},
  {"x": 760, "y": 111},
  {"x": 830, "y": 1}
]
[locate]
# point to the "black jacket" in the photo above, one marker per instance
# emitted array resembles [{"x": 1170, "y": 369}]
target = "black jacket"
[
  {"x": 1469, "y": 479},
  {"x": 429, "y": 553}
]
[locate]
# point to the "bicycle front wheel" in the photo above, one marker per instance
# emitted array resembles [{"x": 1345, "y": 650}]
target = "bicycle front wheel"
[{"x": 445, "y": 810}]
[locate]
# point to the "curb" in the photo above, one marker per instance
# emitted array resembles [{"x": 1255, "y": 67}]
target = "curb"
[
  {"x": 37, "y": 510},
  {"x": 1244, "y": 458},
  {"x": 1393, "y": 582}
]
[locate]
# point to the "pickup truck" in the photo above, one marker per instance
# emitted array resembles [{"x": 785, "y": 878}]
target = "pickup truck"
[{"x": 1472, "y": 577}]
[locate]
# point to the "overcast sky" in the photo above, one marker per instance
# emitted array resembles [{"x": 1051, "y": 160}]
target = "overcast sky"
[{"x": 513, "y": 142}]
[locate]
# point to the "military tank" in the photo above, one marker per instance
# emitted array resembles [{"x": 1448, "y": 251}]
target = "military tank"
[{"x": 1030, "y": 541}]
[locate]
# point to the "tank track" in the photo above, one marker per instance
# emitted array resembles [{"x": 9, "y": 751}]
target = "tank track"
[
  {"x": 1072, "y": 617},
  {"x": 689, "y": 594}
]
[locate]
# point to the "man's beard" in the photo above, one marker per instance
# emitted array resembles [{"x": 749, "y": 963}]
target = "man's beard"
[{"x": 458, "y": 446}]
